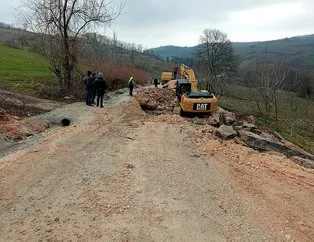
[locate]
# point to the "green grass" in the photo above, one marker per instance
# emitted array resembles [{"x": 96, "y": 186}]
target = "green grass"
[
  {"x": 22, "y": 70},
  {"x": 309, "y": 60},
  {"x": 296, "y": 115}
]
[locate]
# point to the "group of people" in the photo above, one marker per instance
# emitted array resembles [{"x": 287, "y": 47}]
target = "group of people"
[{"x": 95, "y": 85}]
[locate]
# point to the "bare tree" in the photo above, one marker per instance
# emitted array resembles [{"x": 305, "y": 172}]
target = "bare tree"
[
  {"x": 268, "y": 79},
  {"x": 61, "y": 23},
  {"x": 215, "y": 60},
  {"x": 303, "y": 78}
]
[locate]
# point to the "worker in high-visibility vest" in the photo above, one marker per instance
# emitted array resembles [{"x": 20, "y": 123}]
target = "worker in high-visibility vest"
[{"x": 131, "y": 84}]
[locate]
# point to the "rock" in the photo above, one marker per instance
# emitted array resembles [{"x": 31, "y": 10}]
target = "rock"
[
  {"x": 220, "y": 117},
  {"x": 226, "y": 117},
  {"x": 248, "y": 126},
  {"x": 226, "y": 132},
  {"x": 251, "y": 119},
  {"x": 238, "y": 123},
  {"x": 198, "y": 121},
  {"x": 229, "y": 120},
  {"x": 237, "y": 127},
  {"x": 151, "y": 105},
  {"x": 278, "y": 136},
  {"x": 258, "y": 142},
  {"x": 258, "y": 131},
  {"x": 307, "y": 163},
  {"x": 239, "y": 141},
  {"x": 213, "y": 120},
  {"x": 267, "y": 136}
]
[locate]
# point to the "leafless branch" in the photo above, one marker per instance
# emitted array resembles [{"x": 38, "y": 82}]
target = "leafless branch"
[{"x": 60, "y": 24}]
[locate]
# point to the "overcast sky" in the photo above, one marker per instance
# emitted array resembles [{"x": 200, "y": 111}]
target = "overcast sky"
[{"x": 172, "y": 22}]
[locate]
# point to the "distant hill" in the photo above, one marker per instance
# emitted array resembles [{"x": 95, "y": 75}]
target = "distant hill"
[{"x": 300, "y": 47}]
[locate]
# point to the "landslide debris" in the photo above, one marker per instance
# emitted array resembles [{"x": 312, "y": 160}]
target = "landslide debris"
[
  {"x": 225, "y": 125},
  {"x": 169, "y": 119},
  {"x": 156, "y": 100}
]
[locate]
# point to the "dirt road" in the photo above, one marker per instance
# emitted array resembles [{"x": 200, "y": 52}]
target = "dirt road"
[{"x": 117, "y": 174}]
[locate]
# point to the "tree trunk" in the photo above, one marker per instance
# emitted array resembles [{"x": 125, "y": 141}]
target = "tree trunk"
[
  {"x": 276, "y": 112},
  {"x": 66, "y": 63}
]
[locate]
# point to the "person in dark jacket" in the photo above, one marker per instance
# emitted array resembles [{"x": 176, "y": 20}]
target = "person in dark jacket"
[
  {"x": 94, "y": 76},
  {"x": 88, "y": 88},
  {"x": 100, "y": 86},
  {"x": 156, "y": 82},
  {"x": 175, "y": 72}
]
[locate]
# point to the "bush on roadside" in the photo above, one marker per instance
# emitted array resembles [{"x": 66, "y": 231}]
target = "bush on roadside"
[{"x": 118, "y": 74}]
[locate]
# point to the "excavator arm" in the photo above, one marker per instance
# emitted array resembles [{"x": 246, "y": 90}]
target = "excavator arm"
[{"x": 188, "y": 73}]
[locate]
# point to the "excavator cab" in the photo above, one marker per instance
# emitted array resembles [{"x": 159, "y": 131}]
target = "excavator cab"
[{"x": 183, "y": 87}]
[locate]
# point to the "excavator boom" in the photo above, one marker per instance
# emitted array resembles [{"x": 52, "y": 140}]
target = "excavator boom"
[{"x": 188, "y": 73}]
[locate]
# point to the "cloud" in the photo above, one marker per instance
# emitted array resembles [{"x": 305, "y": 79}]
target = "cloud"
[
  {"x": 147, "y": 13},
  {"x": 7, "y": 10},
  {"x": 173, "y": 22},
  {"x": 163, "y": 22}
]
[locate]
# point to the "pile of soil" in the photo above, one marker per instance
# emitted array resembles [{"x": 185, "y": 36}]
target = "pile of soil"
[
  {"x": 171, "y": 84},
  {"x": 157, "y": 100}
]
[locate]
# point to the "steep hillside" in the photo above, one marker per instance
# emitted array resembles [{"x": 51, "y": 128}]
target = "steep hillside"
[
  {"x": 171, "y": 50},
  {"x": 301, "y": 46},
  {"x": 23, "y": 70}
]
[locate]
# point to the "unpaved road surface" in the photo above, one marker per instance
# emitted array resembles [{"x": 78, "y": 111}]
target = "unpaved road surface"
[{"x": 117, "y": 174}]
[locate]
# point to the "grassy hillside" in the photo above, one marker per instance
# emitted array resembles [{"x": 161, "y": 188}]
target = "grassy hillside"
[
  {"x": 296, "y": 115},
  {"x": 22, "y": 70}
]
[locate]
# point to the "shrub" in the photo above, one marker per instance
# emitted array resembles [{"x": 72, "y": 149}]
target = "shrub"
[{"x": 118, "y": 74}]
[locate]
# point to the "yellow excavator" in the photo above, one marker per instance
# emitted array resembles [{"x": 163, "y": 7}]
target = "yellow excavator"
[
  {"x": 191, "y": 98},
  {"x": 166, "y": 77}
]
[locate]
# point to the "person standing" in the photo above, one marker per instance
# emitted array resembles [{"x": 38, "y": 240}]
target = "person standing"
[
  {"x": 93, "y": 78},
  {"x": 100, "y": 86},
  {"x": 88, "y": 88},
  {"x": 131, "y": 84},
  {"x": 156, "y": 82},
  {"x": 175, "y": 72}
]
